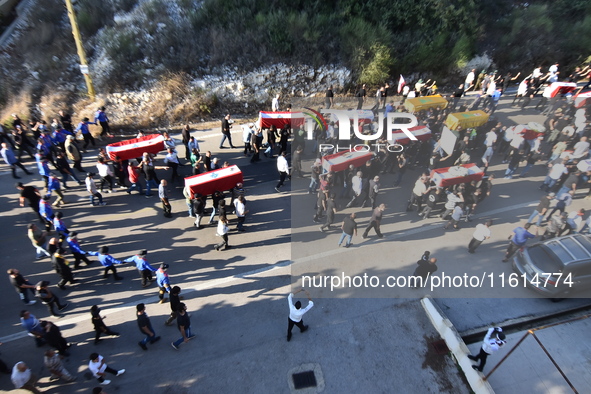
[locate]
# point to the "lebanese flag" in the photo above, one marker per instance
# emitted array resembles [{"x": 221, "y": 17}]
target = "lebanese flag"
[
  {"x": 135, "y": 147},
  {"x": 280, "y": 119},
  {"x": 423, "y": 133},
  {"x": 401, "y": 84}
]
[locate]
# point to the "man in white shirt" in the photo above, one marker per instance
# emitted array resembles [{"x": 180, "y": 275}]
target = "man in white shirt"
[
  {"x": 283, "y": 168},
  {"x": 296, "y": 312},
  {"x": 240, "y": 209},
  {"x": 23, "y": 378},
  {"x": 481, "y": 233},
  {"x": 275, "y": 103},
  {"x": 356, "y": 187},
  {"x": 493, "y": 341},
  {"x": 554, "y": 174},
  {"x": 91, "y": 188},
  {"x": 491, "y": 138},
  {"x": 469, "y": 80},
  {"x": 172, "y": 160},
  {"x": 573, "y": 221},
  {"x": 581, "y": 149},
  {"x": 106, "y": 174},
  {"x": 99, "y": 369}
]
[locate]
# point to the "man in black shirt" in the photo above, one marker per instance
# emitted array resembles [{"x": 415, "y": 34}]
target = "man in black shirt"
[
  {"x": 426, "y": 266},
  {"x": 329, "y": 101},
  {"x": 175, "y": 302},
  {"x": 361, "y": 96},
  {"x": 66, "y": 121},
  {"x": 21, "y": 285},
  {"x": 331, "y": 210},
  {"x": 320, "y": 204},
  {"x": 99, "y": 325},
  {"x": 541, "y": 209},
  {"x": 349, "y": 228},
  {"x": 226, "y": 126},
  {"x": 31, "y": 194},
  {"x": 183, "y": 322},
  {"x": 145, "y": 326},
  {"x": 375, "y": 221}
]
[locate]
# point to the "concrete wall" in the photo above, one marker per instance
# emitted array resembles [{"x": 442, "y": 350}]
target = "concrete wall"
[{"x": 456, "y": 345}]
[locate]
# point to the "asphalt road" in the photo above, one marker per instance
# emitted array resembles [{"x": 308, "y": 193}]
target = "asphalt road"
[{"x": 237, "y": 294}]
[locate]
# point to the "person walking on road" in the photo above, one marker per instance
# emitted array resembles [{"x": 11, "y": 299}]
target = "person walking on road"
[
  {"x": 144, "y": 268},
  {"x": 541, "y": 209},
  {"x": 331, "y": 210},
  {"x": 481, "y": 233},
  {"x": 143, "y": 322},
  {"x": 91, "y": 188},
  {"x": 99, "y": 325},
  {"x": 12, "y": 161},
  {"x": 107, "y": 261},
  {"x": 38, "y": 240},
  {"x": 518, "y": 240},
  {"x": 183, "y": 323},
  {"x": 375, "y": 221},
  {"x": 22, "y": 285},
  {"x": 53, "y": 363},
  {"x": 99, "y": 369},
  {"x": 23, "y": 378},
  {"x": 32, "y": 196},
  {"x": 47, "y": 297},
  {"x": 426, "y": 266},
  {"x": 77, "y": 252},
  {"x": 349, "y": 228},
  {"x": 296, "y": 313},
  {"x": 222, "y": 231},
  {"x": 493, "y": 341},
  {"x": 163, "y": 282},
  {"x": 226, "y": 134},
  {"x": 175, "y": 302},
  {"x": 283, "y": 168},
  {"x": 163, "y": 194}
]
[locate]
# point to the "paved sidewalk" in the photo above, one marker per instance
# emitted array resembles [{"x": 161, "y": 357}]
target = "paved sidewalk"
[{"x": 529, "y": 370}]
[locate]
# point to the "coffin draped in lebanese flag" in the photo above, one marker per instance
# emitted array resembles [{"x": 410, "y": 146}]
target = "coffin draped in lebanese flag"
[
  {"x": 582, "y": 99},
  {"x": 448, "y": 176},
  {"x": 423, "y": 133},
  {"x": 280, "y": 119},
  {"x": 557, "y": 88},
  {"x": 341, "y": 160},
  {"x": 135, "y": 147},
  {"x": 216, "y": 180}
]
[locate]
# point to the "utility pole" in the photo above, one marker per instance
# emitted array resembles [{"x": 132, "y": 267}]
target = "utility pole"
[{"x": 80, "y": 50}]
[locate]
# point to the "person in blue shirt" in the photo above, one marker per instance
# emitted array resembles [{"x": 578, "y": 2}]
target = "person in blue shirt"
[
  {"x": 43, "y": 166},
  {"x": 33, "y": 326},
  {"x": 54, "y": 185},
  {"x": 518, "y": 240},
  {"x": 162, "y": 281},
  {"x": 83, "y": 128},
  {"x": 107, "y": 261},
  {"x": 101, "y": 117},
  {"x": 144, "y": 268},
  {"x": 46, "y": 212},
  {"x": 76, "y": 250},
  {"x": 12, "y": 161},
  {"x": 60, "y": 226}
]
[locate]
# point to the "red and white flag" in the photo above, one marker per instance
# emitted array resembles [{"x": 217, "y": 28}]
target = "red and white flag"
[{"x": 401, "y": 84}]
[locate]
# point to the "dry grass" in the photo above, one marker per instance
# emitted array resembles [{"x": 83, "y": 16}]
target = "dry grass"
[
  {"x": 19, "y": 105},
  {"x": 177, "y": 102}
]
